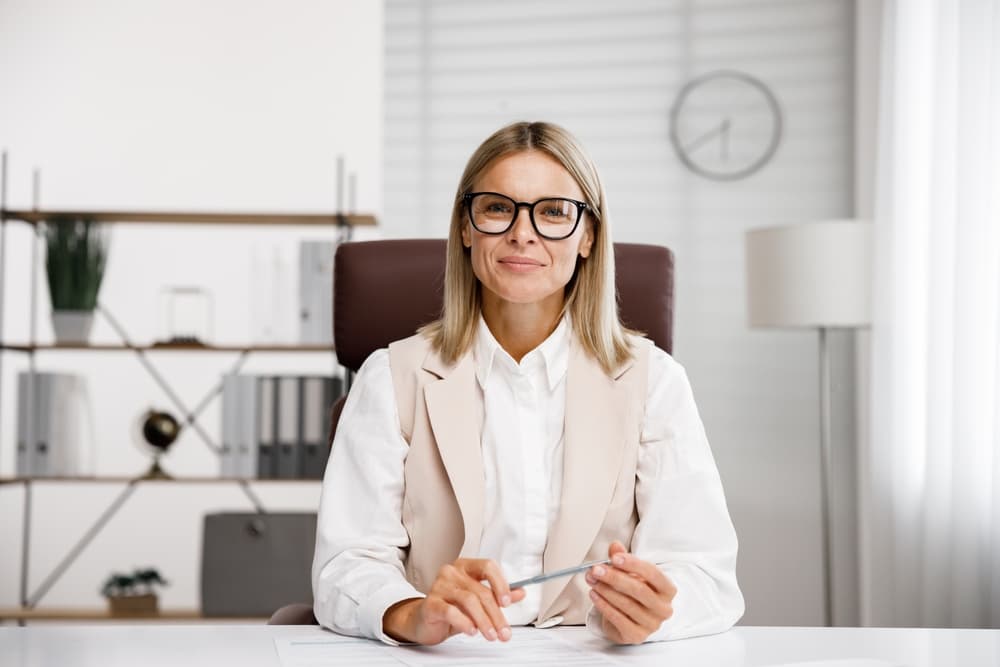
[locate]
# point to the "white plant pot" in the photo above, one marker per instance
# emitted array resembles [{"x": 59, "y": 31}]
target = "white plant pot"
[{"x": 72, "y": 326}]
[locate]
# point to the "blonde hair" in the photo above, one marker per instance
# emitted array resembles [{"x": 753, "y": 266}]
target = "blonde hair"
[{"x": 590, "y": 294}]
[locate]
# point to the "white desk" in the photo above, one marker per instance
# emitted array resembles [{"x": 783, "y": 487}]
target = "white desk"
[{"x": 253, "y": 646}]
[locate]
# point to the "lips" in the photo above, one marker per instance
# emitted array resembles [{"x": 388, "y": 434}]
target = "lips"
[{"x": 517, "y": 260}]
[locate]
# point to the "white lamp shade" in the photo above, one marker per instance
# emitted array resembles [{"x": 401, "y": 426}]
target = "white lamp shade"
[{"x": 815, "y": 274}]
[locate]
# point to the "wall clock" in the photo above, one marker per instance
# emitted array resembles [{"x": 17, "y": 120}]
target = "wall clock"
[{"x": 725, "y": 125}]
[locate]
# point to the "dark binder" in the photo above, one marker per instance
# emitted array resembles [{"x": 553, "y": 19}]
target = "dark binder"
[
  {"x": 267, "y": 423},
  {"x": 289, "y": 418}
]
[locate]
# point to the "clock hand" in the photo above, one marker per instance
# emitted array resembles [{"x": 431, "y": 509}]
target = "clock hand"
[
  {"x": 724, "y": 148},
  {"x": 723, "y": 127}
]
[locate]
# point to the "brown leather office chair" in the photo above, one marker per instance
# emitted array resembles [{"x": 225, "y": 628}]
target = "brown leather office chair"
[{"x": 386, "y": 290}]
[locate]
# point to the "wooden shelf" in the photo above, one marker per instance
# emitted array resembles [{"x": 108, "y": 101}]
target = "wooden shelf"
[
  {"x": 83, "y": 614},
  {"x": 196, "y": 218},
  {"x": 163, "y": 347},
  {"x": 120, "y": 479}
]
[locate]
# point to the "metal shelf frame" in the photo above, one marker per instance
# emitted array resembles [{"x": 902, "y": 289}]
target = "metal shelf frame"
[{"x": 343, "y": 222}]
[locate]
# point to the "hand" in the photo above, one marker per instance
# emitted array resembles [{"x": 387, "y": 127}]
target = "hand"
[
  {"x": 456, "y": 602},
  {"x": 633, "y": 596}
]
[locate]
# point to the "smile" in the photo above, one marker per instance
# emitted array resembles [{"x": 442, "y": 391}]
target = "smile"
[{"x": 520, "y": 264}]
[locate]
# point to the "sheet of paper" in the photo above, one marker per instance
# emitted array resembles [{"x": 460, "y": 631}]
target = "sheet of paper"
[
  {"x": 535, "y": 648},
  {"x": 847, "y": 662}
]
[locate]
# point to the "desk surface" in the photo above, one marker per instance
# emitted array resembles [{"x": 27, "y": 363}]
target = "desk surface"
[{"x": 254, "y": 646}]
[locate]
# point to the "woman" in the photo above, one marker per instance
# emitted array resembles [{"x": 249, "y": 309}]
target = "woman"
[{"x": 524, "y": 432}]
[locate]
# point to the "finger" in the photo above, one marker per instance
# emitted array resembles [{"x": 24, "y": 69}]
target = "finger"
[
  {"x": 616, "y": 547},
  {"x": 628, "y": 631},
  {"x": 649, "y": 572},
  {"x": 637, "y": 612},
  {"x": 487, "y": 599},
  {"x": 437, "y": 610},
  {"x": 471, "y": 604},
  {"x": 459, "y": 621},
  {"x": 624, "y": 582},
  {"x": 498, "y": 584}
]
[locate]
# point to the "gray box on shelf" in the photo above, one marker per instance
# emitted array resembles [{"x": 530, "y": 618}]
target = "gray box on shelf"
[{"x": 252, "y": 564}]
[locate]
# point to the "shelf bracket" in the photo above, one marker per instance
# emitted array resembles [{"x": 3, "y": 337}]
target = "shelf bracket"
[
  {"x": 190, "y": 417},
  {"x": 258, "y": 506},
  {"x": 79, "y": 546}
]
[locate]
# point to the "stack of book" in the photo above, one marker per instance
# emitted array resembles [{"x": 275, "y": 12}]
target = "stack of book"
[{"x": 276, "y": 427}]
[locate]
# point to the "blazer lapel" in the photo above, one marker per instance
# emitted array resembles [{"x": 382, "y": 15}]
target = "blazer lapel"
[
  {"x": 596, "y": 414},
  {"x": 455, "y": 416}
]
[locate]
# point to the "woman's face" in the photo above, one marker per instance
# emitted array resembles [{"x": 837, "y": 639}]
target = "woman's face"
[{"x": 519, "y": 266}]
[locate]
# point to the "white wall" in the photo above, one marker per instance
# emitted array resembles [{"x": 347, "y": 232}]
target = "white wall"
[
  {"x": 179, "y": 105},
  {"x": 455, "y": 71}
]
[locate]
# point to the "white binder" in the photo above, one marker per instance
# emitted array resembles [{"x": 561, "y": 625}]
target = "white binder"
[
  {"x": 230, "y": 422},
  {"x": 247, "y": 442},
  {"x": 25, "y": 462},
  {"x": 316, "y": 292}
]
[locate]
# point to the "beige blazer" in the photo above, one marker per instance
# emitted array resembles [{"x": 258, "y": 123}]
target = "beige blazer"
[{"x": 441, "y": 417}]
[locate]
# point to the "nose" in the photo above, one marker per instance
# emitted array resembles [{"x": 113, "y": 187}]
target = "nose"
[{"x": 522, "y": 231}]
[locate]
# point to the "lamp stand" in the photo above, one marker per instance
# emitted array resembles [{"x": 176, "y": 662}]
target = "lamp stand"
[{"x": 826, "y": 469}]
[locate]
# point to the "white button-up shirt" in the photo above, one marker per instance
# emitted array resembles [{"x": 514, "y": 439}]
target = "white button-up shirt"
[{"x": 683, "y": 519}]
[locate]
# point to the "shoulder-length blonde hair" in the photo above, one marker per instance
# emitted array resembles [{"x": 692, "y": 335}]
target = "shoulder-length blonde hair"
[{"x": 590, "y": 294}]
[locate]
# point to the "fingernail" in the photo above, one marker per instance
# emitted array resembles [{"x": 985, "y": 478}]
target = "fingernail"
[
  {"x": 505, "y": 634},
  {"x": 491, "y": 634},
  {"x": 599, "y": 571},
  {"x": 593, "y": 595},
  {"x": 618, "y": 559},
  {"x": 471, "y": 632},
  {"x": 590, "y": 579},
  {"x": 505, "y": 600}
]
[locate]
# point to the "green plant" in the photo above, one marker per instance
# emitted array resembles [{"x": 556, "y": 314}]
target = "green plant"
[
  {"x": 77, "y": 251},
  {"x": 139, "y": 582}
]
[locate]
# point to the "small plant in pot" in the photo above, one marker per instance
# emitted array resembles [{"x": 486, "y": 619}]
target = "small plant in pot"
[
  {"x": 133, "y": 595},
  {"x": 76, "y": 254}
]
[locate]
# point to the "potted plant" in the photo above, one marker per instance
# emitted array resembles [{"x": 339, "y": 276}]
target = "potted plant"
[
  {"x": 76, "y": 254},
  {"x": 133, "y": 595}
]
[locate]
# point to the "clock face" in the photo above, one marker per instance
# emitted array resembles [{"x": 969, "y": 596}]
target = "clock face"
[{"x": 725, "y": 125}]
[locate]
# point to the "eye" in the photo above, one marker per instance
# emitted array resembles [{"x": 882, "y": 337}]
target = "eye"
[{"x": 497, "y": 207}]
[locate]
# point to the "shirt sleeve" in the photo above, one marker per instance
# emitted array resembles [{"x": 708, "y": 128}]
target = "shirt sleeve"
[
  {"x": 357, "y": 571},
  {"x": 683, "y": 519}
]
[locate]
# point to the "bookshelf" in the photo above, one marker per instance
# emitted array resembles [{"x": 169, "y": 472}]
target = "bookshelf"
[
  {"x": 83, "y": 614},
  {"x": 29, "y": 609}
]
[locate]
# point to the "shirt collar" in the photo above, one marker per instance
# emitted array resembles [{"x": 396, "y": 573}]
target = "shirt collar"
[{"x": 552, "y": 354}]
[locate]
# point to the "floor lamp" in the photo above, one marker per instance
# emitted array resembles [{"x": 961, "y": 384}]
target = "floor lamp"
[{"x": 813, "y": 275}]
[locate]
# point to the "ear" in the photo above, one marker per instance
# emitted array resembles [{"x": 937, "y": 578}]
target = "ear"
[
  {"x": 467, "y": 234},
  {"x": 587, "y": 242}
]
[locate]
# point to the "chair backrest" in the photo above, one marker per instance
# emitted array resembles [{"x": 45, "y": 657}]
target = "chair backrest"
[{"x": 386, "y": 290}]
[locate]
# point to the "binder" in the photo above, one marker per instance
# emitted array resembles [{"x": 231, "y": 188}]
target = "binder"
[
  {"x": 61, "y": 425},
  {"x": 230, "y": 421},
  {"x": 245, "y": 465},
  {"x": 316, "y": 291},
  {"x": 25, "y": 462},
  {"x": 43, "y": 426},
  {"x": 289, "y": 422},
  {"x": 314, "y": 392},
  {"x": 267, "y": 431}
]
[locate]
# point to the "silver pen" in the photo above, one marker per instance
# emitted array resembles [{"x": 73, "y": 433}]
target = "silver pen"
[{"x": 558, "y": 573}]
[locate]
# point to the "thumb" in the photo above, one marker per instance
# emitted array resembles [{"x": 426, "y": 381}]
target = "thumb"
[{"x": 616, "y": 548}]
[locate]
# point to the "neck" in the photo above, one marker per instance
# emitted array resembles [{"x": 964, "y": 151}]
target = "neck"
[{"x": 521, "y": 327}]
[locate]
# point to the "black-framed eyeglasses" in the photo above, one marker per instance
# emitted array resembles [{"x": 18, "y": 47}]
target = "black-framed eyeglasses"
[{"x": 553, "y": 218}]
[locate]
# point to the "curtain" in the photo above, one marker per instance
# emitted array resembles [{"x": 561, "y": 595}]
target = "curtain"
[{"x": 929, "y": 475}]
